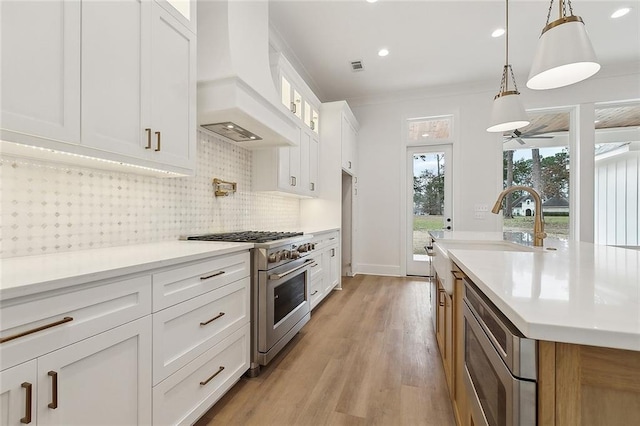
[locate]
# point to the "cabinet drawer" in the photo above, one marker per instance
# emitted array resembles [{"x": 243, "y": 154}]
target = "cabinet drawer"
[
  {"x": 316, "y": 270},
  {"x": 193, "y": 279},
  {"x": 93, "y": 309},
  {"x": 184, "y": 396},
  {"x": 184, "y": 331},
  {"x": 316, "y": 291}
]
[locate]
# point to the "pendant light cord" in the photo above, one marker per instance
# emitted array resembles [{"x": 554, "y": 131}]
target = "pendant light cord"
[
  {"x": 506, "y": 42},
  {"x": 562, "y": 9}
]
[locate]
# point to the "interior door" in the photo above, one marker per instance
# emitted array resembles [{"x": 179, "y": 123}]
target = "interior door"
[{"x": 428, "y": 201}]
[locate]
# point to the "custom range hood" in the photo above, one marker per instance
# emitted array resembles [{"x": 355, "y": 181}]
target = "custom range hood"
[{"x": 237, "y": 97}]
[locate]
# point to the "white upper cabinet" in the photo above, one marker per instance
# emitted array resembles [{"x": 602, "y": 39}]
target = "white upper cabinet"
[
  {"x": 182, "y": 10},
  {"x": 349, "y": 143},
  {"x": 111, "y": 80},
  {"x": 294, "y": 169},
  {"x": 40, "y": 77},
  {"x": 173, "y": 91},
  {"x": 115, "y": 63}
]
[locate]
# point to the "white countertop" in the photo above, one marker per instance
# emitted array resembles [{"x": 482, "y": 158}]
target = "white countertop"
[
  {"x": 21, "y": 276},
  {"x": 580, "y": 293}
]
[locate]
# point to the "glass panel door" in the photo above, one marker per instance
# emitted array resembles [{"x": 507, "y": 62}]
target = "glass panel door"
[{"x": 429, "y": 201}]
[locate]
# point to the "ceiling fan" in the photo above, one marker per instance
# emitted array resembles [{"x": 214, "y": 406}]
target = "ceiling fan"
[{"x": 531, "y": 134}]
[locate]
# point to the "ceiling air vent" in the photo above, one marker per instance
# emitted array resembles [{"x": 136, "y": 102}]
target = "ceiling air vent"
[{"x": 357, "y": 66}]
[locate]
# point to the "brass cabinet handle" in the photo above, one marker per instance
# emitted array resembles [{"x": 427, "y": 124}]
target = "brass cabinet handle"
[
  {"x": 158, "y": 136},
  {"x": 441, "y": 300},
  {"x": 27, "y": 409},
  {"x": 349, "y": 164},
  {"x": 148, "y": 138},
  {"x": 312, "y": 186},
  {"x": 293, "y": 107},
  {"x": 35, "y": 330},
  {"x": 333, "y": 252},
  {"x": 293, "y": 181},
  {"x": 221, "y": 314},
  {"x": 212, "y": 376},
  {"x": 215, "y": 274},
  {"x": 313, "y": 294},
  {"x": 314, "y": 265},
  {"x": 54, "y": 390}
]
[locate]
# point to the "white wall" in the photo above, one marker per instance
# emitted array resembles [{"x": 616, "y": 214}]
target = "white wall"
[{"x": 477, "y": 164}]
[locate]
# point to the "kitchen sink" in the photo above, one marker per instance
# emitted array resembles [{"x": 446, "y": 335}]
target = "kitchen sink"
[
  {"x": 483, "y": 245},
  {"x": 442, "y": 263}
]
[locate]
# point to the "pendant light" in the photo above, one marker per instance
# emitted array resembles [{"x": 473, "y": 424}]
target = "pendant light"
[
  {"x": 564, "y": 55},
  {"x": 507, "y": 113}
]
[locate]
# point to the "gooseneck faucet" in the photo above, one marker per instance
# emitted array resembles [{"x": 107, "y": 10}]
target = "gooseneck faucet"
[{"x": 538, "y": 222}]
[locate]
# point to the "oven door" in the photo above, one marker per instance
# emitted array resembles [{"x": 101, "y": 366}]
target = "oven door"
[
  {"x": 496, "y": 397},
  {"x": 283, "y": 301}
]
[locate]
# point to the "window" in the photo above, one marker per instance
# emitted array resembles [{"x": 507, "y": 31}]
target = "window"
[
  {"x": 428, "y": 129},
  {"x": 537, "y": 156}
]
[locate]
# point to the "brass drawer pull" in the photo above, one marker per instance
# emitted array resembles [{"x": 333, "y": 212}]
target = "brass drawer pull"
[
  {"x": 314, "y": 293},
  {"x": 221, "y": 314},
  {"x": 212, "y": 376},
  {"x": 441, "y": 300},
  {"x": 27, "y": 409},
  {"x": 215, "y": 274},
  {"x": 158, "y": 136},
  {"x": 54, "y": 390},
  {"x": 35, "y": 330},
  {"x": 148, "y": 138},
  {"x": 458, "y": 275}
]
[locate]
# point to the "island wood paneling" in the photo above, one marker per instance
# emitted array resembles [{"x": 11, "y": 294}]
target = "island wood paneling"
[{"x": 592, "y": 386}]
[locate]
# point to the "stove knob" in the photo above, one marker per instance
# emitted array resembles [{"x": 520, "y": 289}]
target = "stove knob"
[
  {"x": 274, "y": 257},
  {"x": 295, "y": 254},
  {"x": 312, "y": 246},
  {"x": 303, "y": 248},
  {"x": 285, "y": 254}
]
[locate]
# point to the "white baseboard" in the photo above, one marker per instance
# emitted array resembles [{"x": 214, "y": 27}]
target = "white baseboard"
[{"x": 383, "y": 270}]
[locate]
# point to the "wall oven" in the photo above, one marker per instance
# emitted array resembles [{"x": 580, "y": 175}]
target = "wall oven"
[{"x": 500, "y": 365}]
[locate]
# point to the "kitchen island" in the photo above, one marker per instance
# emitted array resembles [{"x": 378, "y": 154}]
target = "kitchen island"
[{"x": 578, "y": 300}]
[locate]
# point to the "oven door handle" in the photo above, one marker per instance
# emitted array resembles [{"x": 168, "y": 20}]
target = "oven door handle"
[{"x": 291, "y": 271}]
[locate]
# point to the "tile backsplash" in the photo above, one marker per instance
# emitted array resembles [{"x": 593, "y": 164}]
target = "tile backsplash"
[{"x": 49, "y": 207}]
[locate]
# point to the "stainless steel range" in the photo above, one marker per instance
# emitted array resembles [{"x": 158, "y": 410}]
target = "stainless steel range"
[{"x": 279, "y": 290}]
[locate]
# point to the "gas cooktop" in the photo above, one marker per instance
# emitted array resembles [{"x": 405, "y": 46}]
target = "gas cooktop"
[{"x": 245, "y": 236}]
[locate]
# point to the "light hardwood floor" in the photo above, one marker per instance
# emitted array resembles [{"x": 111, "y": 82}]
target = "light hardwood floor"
[{"x": 368, "y": 356}]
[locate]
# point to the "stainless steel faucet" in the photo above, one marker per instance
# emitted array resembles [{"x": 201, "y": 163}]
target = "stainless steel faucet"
[{"x": 538, "y": 222}]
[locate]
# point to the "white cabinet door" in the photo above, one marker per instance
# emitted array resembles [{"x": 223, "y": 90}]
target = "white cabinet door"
[
  {"x": 313, "y": 166},
  {"x": 349, "y": 137},
  {"x": 303, "y": 161},
  {"x": 105, "y": 379},
  {"x": 333, "y": 274},
  {"x": 114, "y": 63},
  {"x": 40, "y": 77},
  {"x": 173, "y": 90},
  {"x": 17, "y": 394},
  {"x": 295, "y": 179}
]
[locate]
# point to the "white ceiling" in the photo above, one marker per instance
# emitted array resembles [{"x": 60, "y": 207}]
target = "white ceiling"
[{"x": 433, "y": 43}]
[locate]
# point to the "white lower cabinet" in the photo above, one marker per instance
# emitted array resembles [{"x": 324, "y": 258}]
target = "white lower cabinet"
[
  {"x": 17, "y": 394},
  {"x": 186, "y": 395},
  {"x": 327, "y": 277},
  {"x": 105, "y": 379},
  {"x": 90, "y": 354}
]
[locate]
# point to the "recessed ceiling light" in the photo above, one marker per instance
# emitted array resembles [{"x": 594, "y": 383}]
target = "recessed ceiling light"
[
  {"x": 229, "y": 126},
  {"x": 371, "y": 1},
  {"x": 383, "y": 52},
  {"x": 497, "y": 32},
  {"x": 425, "y": 135},
  {"x": 596, "y": 121},
  {"x": 620, "y": 12}
]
